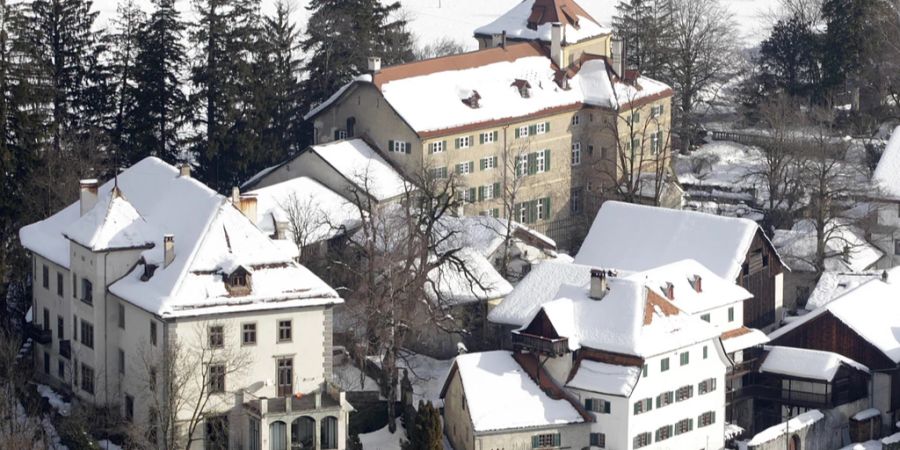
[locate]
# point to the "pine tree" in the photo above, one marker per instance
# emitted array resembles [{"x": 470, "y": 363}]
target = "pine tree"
[
  {"x": 646, "y": 28},
  {"x": 160, "y": 103},
  {"x": 790, "y": 59},
  {"x": 340, "y": 37},
  {"x": 849, "y": 28},
  {"x": 280, "y": 79},
  {"x": 124, "y": 43},
  {"x": 425, "y": 432}
]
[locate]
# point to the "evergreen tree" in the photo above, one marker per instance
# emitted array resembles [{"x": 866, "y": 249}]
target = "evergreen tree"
[
  {"x": 340, "y": 37},
  {"x": 160, "y": 103},
  {"x": 280, "y": 82},
  {"x": 850, "y": 28},
  {"x": 790, "y": 60},
  {"x": 124, "y": 43},
  {"x": 425, "y": 432},
  {"x": 646, "y": 28}
]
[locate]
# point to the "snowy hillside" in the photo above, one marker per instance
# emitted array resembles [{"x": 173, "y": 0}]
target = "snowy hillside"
[{"x": 431, "y": 20}]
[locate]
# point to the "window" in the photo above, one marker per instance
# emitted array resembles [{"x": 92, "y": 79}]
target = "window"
[
  {"x": 489, "y": 163},
  {"x": 664, "y": 399},
  {"x": 576, "y": 120},
  {"x": 664, "y": 364},
  {"x": 540, "y": 214},
  {"x": 153, "y": 333},
  {"x": 87, "y": 379},
  {"x": 523, "y": 212},
  {"x": 645, "y": 371},
  {"x": 47, "y": 363},
  {"x": 87, "y": 334},
  {"x": 635, "y": 117},
  {"x": 663, "y": 433},
  {"x": 598, "y": 439},
  {"x": 489, "y": 137},
  {"x": 705, "y": 317},
  {"x": 464, "y": 142},
  {"x": 684, "y": 393},
  {"x": 488, "y": 192},
  {"x": 705, "y": 352},
  {"x": 216, "y": 435},
  {"x": 59, "y": 284},
  {"x": 284, "y": 330},
  {"x": 643, "y": 406},
  {"x": 129, "y": 407},
  {"x": 465, "y": 168},
  {"x": 597, "y": 405},
  {"x": 439, "y": 173},
  {"x": 540, "y": 164},
  {"x": 656, "y": 142},
  {"x": 575, "y": 202},
  {"x": 341, "y": 134},
  {"x": 399, "y": 146},
  {"x": 642, "y": 440},
  {"x": 216, "y": 378},
  {"x": 152, "y": 377},
  {"x": 121, "y": 316},
  {"x": 897, "y": 247},
  {"x": 731, "y": 314},
  {"x": 45, "y": 277},
  {"x": 683, "y": 426},
  {"x": 216, "y": 336},
  {"x": 285, "y": 377},
  {"x": 46, "y": 324},
  {"x": 121, "y": 361},
  {"x": 61, "y": 369},
  {"x": 248, "y": 334},
  {"x": 545, "y": 440},
  {"x": 542, "y": 127},
  {"x": 576, "y": 153},
  {"x": 437, "y": 147},
  {"x": 656, "y": 111},
  {"x": 707, "y": 418},
  {"x": 685, "y": 358},
  {"x": 87, "y": 291},
  {"x": 522, "y": 132},
  {"x": 706, "y": 386},
  {"x": 60, "y": 328},
  {"x": 521, "y": 165}
]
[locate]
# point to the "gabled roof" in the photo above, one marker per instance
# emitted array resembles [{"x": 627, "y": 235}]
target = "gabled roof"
[
  {"x": 633, "y": 237},
  {"x": 538, "y": 287},
  {"x": 605, "y": 378},
  {"x": 360, "y": 164},
  {"x": 210, "y": 235},
  {"x": 832, "y": 285},
  {"x": 885, "y": 174},
  {"x": 500, "y": 395},
  {"x": 742, "y": 338},
  {"x": 846, "y": 247},
  {"x": 715, "y": 292},
  {"x": 805, "y": 363},
  {"x": 871, "y": 310},
  {"x": 532, "y": 20},
  {"x": 112, "y": 224}
]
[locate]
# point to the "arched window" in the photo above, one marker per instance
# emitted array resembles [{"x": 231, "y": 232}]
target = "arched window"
[
  {"x": 303, "y": 433},
  {"x": 329, "y": 432},
  {"x": 278, "y": 436}
]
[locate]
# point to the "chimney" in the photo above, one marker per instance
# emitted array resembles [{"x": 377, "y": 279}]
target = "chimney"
[
  {"x": 184, "y": 170},
  {"x": 556, "y": 43},
  {"x": 503, "y": 39},
  {"x": 248, "y": 206},
  {"x": 374, "y": 64},
  {"x": 281, "y": 228},
  {"x": 599, "y": 284},
  {"x": 617, "y": 57},
  {"x": 670, "y": 291},
  {"x": 88, "y": 194},
  {"x": 168, "y": 249},
  {"x": 884, "y": 276},
  {"x": 236, "y": 196},
  {"x": 495, "y": 40},
  {"x": 697, "y": 282}
]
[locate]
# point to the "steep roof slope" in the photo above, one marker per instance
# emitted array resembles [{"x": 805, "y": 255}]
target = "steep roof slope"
[
  {"x": 359, "y": 163},
  {"x": 112, "y": 224},
  {"x": 886, "y": 173},
  {"x": 635, "y": 237},
  {"x": 532, "y": 19},
  {"x": 538, "y": 287},
  {"x": 847, "y": 249}
]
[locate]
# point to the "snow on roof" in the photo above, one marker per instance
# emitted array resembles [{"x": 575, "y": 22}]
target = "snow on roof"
[
  {"x": 210, "y": 234},
  {"x": 111, "y": 224},
  {"x": 871, "y": 310},
  {"x": 364, "y": 167},
  {"x": 476, "y": 281},
  {"x": 500, "y": 395},
  {"x": 866, "y": 414},
  {"x": 542, "y": 12},
  {"x": 535, "y": 289},
  {"x": 846, "y": 248},
  {"x": 319, "y": 212},
  {"x": 885, "y": 174},
  {"x": 832, "y": 285},
  {"x": 595, "y": 376},
  {"x": 732, "y": 342},
  {"x": 892, "y": 439},
  {"x": 805, "y": 363},
  {"x": 635, "y": 237},
  {"x": 796, "y": 424},
  {"x": 714, "y": 291},
  {"x": 645, "y": 325}
]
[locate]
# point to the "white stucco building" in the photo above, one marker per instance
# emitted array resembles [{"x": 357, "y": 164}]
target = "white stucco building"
[{"x": 156, "y": 265}]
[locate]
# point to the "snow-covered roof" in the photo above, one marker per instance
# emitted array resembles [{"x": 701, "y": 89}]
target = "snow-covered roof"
[
  {"x": 832, "y": 285},
  {"x": 645, "y": 324},
  {"x": 871, "y": 310},
  {"x": 885, "y": 174},
  {"x": 635, "y": 237},
  {"x": 112, "y": 224},
  {"x": 792, "y": 426},
  {"x": 846, "y": 248},
  {"x": 364, "y": 167},
  {"x": 866, "y": 414},
  {"x": 318, "y": 211},
  {"x": 743, "y": 338},
  {"x": 535, "y": 289},
  {"x": 477, "y": 280},
  {"x": 715, "y": 292},
  {"x": 805, "y": 363},
  {"x": 577, "y": 24},
  {"x": 500, "y": 395},
  {"x": 595, "y": 376},
  {"x": 210, "y": 235}
]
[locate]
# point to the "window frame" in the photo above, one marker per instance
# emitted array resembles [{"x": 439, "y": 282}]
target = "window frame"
[
  {"x": 87, "y": 291},
  {"x": 280, "y": 328},
  {"x": 216, "y": 382},
  {"x": 664, "y": 364},
  {"x": 245, "y": 331},
  {"x": 216, "y": 336},
  {"x": 576, "y": 153},
  {"x": 87, "y": 334},
  {"x": 87, "y": 378}
]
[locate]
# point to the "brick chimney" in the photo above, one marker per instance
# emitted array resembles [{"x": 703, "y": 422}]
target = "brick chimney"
[
  {"x": 168, "y": 249},
  {"x": 247, "y": 206},
  {"x": 670, "y": 291},
  {"x": 503, "y": 39},
  {"x": 88, "y": 194},
  {"x": 556, "y": 43},
  {"x": 697, "y": 283},
  {"x": 599, "y": 284}
]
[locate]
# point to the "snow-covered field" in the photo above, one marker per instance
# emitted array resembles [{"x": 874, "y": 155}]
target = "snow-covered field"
[{"x": 431, "y": 20}]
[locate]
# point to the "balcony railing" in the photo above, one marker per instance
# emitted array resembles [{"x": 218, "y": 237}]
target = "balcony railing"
[
  {"x": 540, "y": 344},
  {"x": 40, "y": 335},
  {"x": 796, "y": 398}
]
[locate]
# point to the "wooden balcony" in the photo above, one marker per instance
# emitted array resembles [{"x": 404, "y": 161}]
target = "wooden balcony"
[
  {"x": 540, "y": 344},
  {"x": 783, "y": 396}
]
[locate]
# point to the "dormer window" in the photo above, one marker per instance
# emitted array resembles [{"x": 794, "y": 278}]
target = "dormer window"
[
  {"x": 523, "y": 86},
  {"x": 237, "y": 282},
  {"x": 472, "y": 100},
  {"x": 149, "y": 270}
]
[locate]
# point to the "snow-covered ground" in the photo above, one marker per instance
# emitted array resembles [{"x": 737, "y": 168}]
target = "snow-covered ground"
[
  {"x": 56, "y": 402},
  {"x": 383, "y": 439}
]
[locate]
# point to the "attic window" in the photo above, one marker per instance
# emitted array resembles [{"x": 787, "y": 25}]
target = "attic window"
[
  {"x": 523, "y": 86},
  {"x": 237, "y": 282},
  {"x": 149, "y": 269},
  {"x": 472, "y": 100}
]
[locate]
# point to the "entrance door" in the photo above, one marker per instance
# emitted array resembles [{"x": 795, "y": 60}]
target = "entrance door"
[{"x": 285, "y": 377}]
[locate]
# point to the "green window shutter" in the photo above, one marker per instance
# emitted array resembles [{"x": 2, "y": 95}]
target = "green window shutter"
[
  {"x": 390, "y": 146},
  {"x": 481, "y": 163},
  {"x": 496, "y": 136},
  {"x": 637, "y": 408},
  {"x": 557, "y": 440},
  {"x": 532, "y": 211},
  {"x": 459, "y": 169},
  {"x": 649, "y": 404},
  {"x": 547, "y": 160},
  {"x": 532, "y": 129},
  {"x": 480, "y": 193},
  {"x": 471, "y": 195},
  {"x": 456, "y": 143},
  {"x": 606, "y": 407},
  {"x": 496, "y": 190},
  {"x": 661, "y": 109},
  {"x": 547, "y": 127},
  {"x": 444, "y": 145},
  {"x": 481, "y": 138},
  {"x": 532, "y": 163},
  {"x": 408, "y": 148},
  {"x": 546, "y": 201},
  {"x": 517, "y": 133},
  {"x": 534, "y": 442},
  {"x": 495, "y": 161}
]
